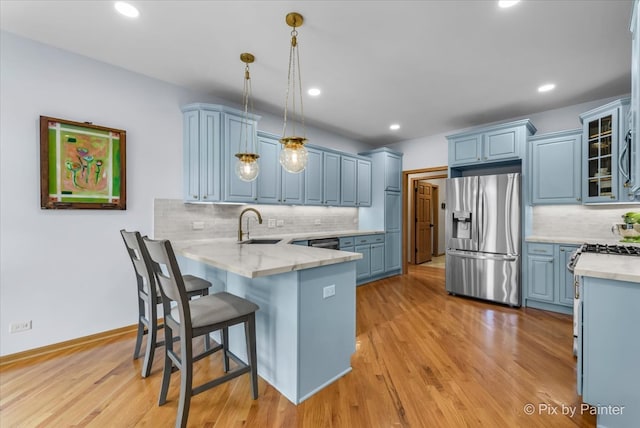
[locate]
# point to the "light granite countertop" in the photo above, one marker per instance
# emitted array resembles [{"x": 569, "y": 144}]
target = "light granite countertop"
[
  {"x": 255, "y": 260},
  {"x": 608, "y": 266}
]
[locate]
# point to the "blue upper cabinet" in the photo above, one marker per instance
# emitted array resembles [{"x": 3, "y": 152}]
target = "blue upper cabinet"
[
  {"x": 268, "y": 181},
  {"x": 211, "y": 136},
  {"x": 466, "y": 149},
  {"x": 603, "y": 131},
  {"x": 363, "y": 190},
  {"x": 292, "y": 187},
  {"x": 355, "y": 185},
  {"x": 274, "y": 184},
  {"x": 494, "y": 143},
  {"x": 201, "y": 156},
  {"x": 556, "y": 168},
  {"x": 331, "y": 179},
  {"x": 393, "y": 172},
  {"x": 348, "y": 169},
  {"x": 313, "y": 173},
  {"x": 236, "y": 190}
]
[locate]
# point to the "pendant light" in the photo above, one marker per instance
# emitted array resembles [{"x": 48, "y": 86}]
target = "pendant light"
[
  {"x": 293, "y": 156},
  {"x": 247, "y": 168}
]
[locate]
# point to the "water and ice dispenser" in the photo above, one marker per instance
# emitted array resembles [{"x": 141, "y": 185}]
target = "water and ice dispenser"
[{"x": 461, "y": 225}]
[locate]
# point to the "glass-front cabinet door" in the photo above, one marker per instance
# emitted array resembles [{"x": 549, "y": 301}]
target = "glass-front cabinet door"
[
  {"x": 602, "y": 129},
  {"x": 602, "y": 169}
]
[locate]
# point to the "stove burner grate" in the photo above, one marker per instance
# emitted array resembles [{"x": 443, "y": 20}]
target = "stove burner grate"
[{"x": 627, "y": 250}]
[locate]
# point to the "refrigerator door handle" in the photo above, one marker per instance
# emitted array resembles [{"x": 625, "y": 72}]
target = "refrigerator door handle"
[
  {"x": 483, "y": 256},
  {"x": 481, "y": 217},
  {"x": 509, "y": 204}
]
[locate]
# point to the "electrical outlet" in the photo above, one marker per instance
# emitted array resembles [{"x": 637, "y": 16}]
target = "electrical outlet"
[
  {"x": 18, "y": 326},
  {"x": 271, "y": 223},
  {"x": 280, "y": 223},
  {"x": 197, "y": 225},
  {"x": 317, "y": 221},
  {"x": 328, "y": 291}
]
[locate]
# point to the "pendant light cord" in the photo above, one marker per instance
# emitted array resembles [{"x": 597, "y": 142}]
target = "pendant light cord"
[{"x": 294, "y": 62}]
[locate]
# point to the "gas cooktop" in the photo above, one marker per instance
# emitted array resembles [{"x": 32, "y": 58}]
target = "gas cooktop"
[{"x": 626, "y": 250}]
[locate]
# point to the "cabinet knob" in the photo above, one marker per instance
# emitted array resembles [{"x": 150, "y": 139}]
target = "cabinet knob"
[
  {"x": 485, "y": 158},
  {"x": 613, "y": 196},
  {"x": 255, "y": 199},
  {"x": 204, "y": 197},
  {"x": 478, "y": 159},
  {"x": 578, "y": 199},
  {"x": 195, "y": 196},
  {"x": 284, "y": 200}
]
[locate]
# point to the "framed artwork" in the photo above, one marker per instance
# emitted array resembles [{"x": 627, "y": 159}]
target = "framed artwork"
[{"x": 81, "y": 165}]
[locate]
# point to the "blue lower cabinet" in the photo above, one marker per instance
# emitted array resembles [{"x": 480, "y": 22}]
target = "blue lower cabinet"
[
  {"x": 363, "y": 266},
  {"x": 393, "y": 252},
  {"x": 377, "y": 259},
  {"x": 611, "y": 350},
  {"x": 372, "y": 248},
  {"x": 546, "y": 279}
]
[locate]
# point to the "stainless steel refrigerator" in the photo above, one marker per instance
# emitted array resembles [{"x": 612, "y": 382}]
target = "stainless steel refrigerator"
[{"x": 483, "y": 237}]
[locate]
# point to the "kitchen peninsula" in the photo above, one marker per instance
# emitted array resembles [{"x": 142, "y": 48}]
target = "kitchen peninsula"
[{"x": 306, "y": 323}]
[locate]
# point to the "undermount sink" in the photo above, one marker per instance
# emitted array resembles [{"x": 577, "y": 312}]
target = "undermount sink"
[{"x": 261, "y": 241}]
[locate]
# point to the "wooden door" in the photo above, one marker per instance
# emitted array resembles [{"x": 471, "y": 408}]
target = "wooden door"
[{"x": 423, "y": 204}]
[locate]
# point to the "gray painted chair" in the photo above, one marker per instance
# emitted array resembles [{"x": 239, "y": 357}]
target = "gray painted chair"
[
  {"x": 193, "y": 318},
  {"x": 149, "y": 297}
]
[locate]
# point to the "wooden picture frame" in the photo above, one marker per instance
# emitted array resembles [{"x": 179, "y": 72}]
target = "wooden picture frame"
[{"x": 82, "y": 166}]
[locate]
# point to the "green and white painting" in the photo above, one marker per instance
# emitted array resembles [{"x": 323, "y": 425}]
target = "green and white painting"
[{"x": 85, "y": 165}]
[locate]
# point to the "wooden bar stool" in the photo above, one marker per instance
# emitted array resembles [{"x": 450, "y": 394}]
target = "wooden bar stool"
[{"x": 149, "y": 297}]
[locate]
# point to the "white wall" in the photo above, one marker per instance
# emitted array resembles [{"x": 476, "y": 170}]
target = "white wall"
[{"x": 68, "y": 270}]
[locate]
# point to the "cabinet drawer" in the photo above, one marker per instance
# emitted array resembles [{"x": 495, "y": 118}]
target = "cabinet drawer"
[
  {"x": 369, "y": 239},
  {"x": 347, "y": 241},
  {"x": 546, "y": 249}
]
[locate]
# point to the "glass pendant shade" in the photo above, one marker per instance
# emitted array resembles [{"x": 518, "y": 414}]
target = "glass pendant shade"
[
  {"x": 293, "y": 156},
  {"x": 247, "y": 167}
]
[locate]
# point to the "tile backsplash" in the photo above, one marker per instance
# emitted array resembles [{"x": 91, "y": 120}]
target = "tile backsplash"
[
  {"x": 175, "y": 220},
  {"x": 578, "y": 221}
]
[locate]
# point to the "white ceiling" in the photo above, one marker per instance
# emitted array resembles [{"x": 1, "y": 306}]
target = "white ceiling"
[{"x": 431, "y": 66}]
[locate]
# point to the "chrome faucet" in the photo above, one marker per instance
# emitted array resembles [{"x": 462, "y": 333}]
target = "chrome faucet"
[{"x": 240, "y": 232}]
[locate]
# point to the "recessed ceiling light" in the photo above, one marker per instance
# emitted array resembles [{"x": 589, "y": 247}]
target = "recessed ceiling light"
[
  {"x": 394, "y": 126},
  {"x": 507, "y": 3},
  {"x": 547, "y": 87},
  {"x": 126, "y": 9},
  {"x": 314, "y": 92}
]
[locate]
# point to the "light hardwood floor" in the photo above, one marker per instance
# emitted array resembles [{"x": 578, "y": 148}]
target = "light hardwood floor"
[{"x": 423, "y": 359}]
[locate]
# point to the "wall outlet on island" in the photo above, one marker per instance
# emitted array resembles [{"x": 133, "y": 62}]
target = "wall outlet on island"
[
  {"x": 271, "y": 223},
  {"x": 328, "y": 291},
  {"x": 280, "y": 223},
  {"x": 197, "y": 225}
]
